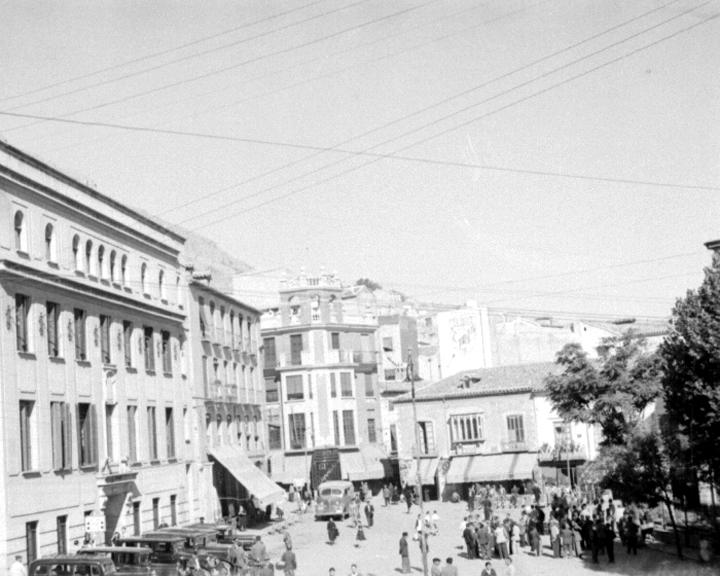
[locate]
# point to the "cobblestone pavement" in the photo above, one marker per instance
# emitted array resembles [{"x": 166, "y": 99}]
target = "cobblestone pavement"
[{"x": 378, "y": 555}]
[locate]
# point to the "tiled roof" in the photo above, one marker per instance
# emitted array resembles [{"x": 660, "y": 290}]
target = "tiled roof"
[{"x": 487, "y": 381}]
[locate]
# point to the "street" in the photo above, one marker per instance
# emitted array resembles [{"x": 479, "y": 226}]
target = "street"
[{"x": 378, "y": 555}]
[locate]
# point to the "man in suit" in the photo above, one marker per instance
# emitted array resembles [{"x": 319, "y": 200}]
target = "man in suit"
[
  {"x": 483, "y": 541},
  {"x": 470, "y": 540},
  {"x": 449, "y": 569},
  {"x": 405, "y": 554}
]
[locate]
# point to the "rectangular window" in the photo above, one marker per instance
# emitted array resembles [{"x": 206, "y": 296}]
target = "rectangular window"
[
  {"x": 26, "y": 435},
  {"x": 22, "y": 320},
  {"x": 31, "y": 543},
  {"x": 87, "y": 434},
  {"x": 297, "y": 431},
  {"x": 427, "y": 438},
  {"x": 349, "y": 427},
  {"x": 296, "y": 346},
  {"x": 389, "y": 374},
  {"x": 270, "y": 353},
  {"x": 335, "y": 340},
  {"x": 466, "y": 428},
  {"x": 516, "y": 428},
  {"x": 310, "y": 386},
  {"x": 393, "y": 439},
  {"x": 156, "y": 512},
  {"x": 274, "y": 435},
  {"x": 52, "y": 312},
  {"x": 152, "y": 434},
  {"x": 205, "y": 368},
  {"x": 80, "y": 340},
  {"x": 137, "y": 524},
  {"x": 271, "y": 391},
  {"x": 61, "y": 528},
  {"x": 388, "y": 344},
  {"x": 346, "y": 390},
  {"x": 148, "y": 349},
  {"x": 173, "y": 510},
  {"x": 170, "y": 432},
  {"x": 166, "y": 353},
  {"x": 127, "y": 343},
  {"x": 372, "y": 435},
  {"x": 336, "y": 427},
  {"x": 132, "y": 433},
  {"x": 105, "y": 352},
  {"x": 333, "y": 386},
  {"x": 369, "y": 387},
  {"x": 109, "y": 431},
  {"x": 294, "y": 385},
  {"x": 61, "y": 433}
]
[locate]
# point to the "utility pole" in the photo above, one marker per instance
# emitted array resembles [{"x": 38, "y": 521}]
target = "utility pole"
[{"x": 423, "y": 535}]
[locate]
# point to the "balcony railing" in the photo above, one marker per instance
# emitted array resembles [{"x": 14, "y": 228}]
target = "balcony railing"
[
  {"x": 514, "y": 446},
  {"x": 562, "y": 452}
]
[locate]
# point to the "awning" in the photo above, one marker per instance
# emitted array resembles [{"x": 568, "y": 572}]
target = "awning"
[
  {"x": 428, "y": 469},
  {"x": 492, "y": 467},
  {"x": 377, "y": 464},
  {"x": 352, "y": 466},
  {"x": 251, "y": 477},
  {"x": 288, "y": 468}
]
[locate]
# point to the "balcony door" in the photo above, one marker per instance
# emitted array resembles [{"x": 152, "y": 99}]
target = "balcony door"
[{"x": 296, "y": 346}]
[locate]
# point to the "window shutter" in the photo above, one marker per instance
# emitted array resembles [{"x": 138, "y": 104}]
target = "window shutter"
[
  {"x": 56, "y": 414},
  {"x": 68, "y": 437},
  {"x": 92, "y": 414},
  {"x": 79, "y": 435}
]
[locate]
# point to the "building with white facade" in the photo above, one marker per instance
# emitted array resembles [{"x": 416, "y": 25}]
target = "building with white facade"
[{"x": 96, "y": 400}]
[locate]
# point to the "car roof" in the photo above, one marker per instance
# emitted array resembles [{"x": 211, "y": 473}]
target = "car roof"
[
  {"x": 111, "y": 549},
  {"x": 72, "y": 559},
  {"x": 154, "y": 537},
  {"x": 335, "y": 484}
]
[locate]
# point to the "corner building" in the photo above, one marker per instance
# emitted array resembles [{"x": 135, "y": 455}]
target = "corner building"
[
  {"x": 320, "y": 368},
  {"x": 95, "y": 418}
]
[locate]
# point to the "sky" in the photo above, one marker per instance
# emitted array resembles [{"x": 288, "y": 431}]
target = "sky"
[{"x": 558, "y": 156}]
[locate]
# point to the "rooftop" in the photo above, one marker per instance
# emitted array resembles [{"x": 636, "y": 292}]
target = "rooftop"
[{"x": 487, "y": 382}]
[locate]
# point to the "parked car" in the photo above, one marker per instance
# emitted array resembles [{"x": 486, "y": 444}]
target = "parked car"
[
  {"x": 127, "y": 559},
  {"x": 334, "y": 499},
  {"x": 166, "y": 548},
  {"x": 66, "y": 565}
]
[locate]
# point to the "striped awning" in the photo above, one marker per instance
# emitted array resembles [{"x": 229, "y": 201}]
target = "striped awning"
[{"x": 492, "y": 467}]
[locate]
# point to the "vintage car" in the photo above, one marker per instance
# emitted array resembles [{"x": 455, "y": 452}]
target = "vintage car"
[
  {"x": 196, "y": 540},
  {"x": 127, "y": 559},
  {"x": 66, "y": 565},
  {"x": 226, "y": 534},
  {"x": 334, "y": 499},
  {"x": 166, "y": 548}
]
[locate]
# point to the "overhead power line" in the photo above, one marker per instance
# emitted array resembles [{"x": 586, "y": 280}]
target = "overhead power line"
[
  {"x": 157, "y": 54},
  {"x": 465, "y": 123}
]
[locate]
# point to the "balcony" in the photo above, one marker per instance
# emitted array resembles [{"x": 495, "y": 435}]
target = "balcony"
[
  {"x": 507, "y": 446},
  {"x": 561, "y": 453}
]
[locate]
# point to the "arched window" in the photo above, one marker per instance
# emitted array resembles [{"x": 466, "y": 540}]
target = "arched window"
[
  {"x": 76, "y": 252},
  {"x": 20, "y": 243},
  {"x": 88, "y": 257},
  {"x": 232, "y": 329},
  {"x": 161, "y": 284},
  {"x": 143, "y": 278},
  {"x": 50, "y": 249},
  {"x": 101, "y": 261},
  {"x": 113, "y": 266},
  {"x": 124, "y": 271}
]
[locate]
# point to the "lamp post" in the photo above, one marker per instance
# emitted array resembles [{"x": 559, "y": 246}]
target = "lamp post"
[{"x": 410, "y": 376}]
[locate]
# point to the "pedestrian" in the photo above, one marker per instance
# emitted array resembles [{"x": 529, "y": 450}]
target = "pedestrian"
[
  {"x": 332, "y": 531},
  {"x": 483, "y": 541},
  {"x": 449, "y": 569},
  {"x": 631, "y": 535},
  {"x": 408, "y": 498},
  {"x": 287, "y": 539},
  {"x": 515, "y": 538},
  {"x": 386, "y": 495},
  {"x": 435, "y": 569},
  {"x": 258, "y": 551},
  {"x": 610, "y": 542},
  {"x": 535, "y": 540},
  {"x": 423, "y": 540},
  {"x": 289, "y": 561},
  {"x": 488, "y": 570},
  {"x": 237, "y": 557},
  {"x": 354, "y": 570},
  {"x": 470, "y": 541},
  {"x": 501, "y": 541},
  {"x": 404, "y": 554},
  {"x": 17, "y": 568},
  {"x": 360, "y": 535},
  {"x": 566, "y": 534},
  {"x": 471, "y": 498},
  {"x": 577, "y": 538},
  {"x": 369, "y": 514},
  {"x": 435, "y": 522},
  {"x": 594, "y": 542}
]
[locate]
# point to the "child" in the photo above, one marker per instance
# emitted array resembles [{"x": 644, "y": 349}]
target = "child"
[{"x": 360, "y": 535}]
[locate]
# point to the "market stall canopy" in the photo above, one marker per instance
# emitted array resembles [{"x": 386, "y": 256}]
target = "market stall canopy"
[{"x": 249, "y": 475}]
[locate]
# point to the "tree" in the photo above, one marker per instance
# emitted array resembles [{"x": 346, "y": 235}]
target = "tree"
[
  {"x": 370, "y": 284},
  {"x": 691, "y": 381},
  {"x": 641, "y": 471},
  {"x": 612, "y": 391}
]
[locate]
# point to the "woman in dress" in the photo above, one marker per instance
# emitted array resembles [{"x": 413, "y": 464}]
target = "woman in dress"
[
  {"x": 332, "y": 531},
  {"x": 360, "y": 536}
]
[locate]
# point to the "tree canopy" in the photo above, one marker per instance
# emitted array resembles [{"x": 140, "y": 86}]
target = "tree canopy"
[
  {"x": 691, "y": 381},
  {"x": 370, "y": 284},
  {"x": 611, "y": 391}
]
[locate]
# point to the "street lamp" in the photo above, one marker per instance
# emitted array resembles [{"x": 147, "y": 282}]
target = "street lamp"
[{"x": 410, "y": 376}]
